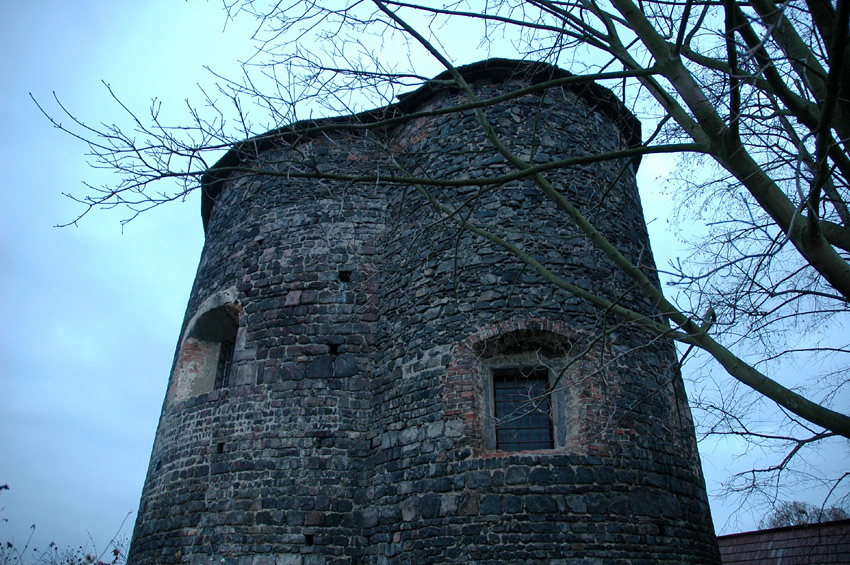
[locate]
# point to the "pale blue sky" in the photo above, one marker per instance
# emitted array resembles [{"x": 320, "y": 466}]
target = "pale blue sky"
[{"x": 92, "y": 314}]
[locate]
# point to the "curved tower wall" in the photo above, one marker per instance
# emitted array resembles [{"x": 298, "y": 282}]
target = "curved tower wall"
[{"x": 357, "y": 423}]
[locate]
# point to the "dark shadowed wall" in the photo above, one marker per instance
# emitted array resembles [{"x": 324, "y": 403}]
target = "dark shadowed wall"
[{"x": 355, "y": 420}]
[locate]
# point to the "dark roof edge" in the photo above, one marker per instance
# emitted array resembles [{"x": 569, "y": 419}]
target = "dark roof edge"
[
  {"x": 495, "y": 69},
  {"x": 814, "y": 525}
]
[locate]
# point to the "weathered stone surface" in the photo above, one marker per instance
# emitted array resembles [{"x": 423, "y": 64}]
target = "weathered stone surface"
[{"x": 355, "y": 427}]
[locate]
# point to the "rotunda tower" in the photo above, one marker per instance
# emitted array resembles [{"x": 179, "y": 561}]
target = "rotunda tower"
[{"x": 360, "y": 379}]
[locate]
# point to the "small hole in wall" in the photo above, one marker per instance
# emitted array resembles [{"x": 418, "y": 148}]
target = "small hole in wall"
[
  {"x": 220, "y": 447},
  {"x": 334, "y": 348},
  {"x": 345, "y": 276},
  {"x": 308, "y": 539},
  {"x": 159, "y": 465}
]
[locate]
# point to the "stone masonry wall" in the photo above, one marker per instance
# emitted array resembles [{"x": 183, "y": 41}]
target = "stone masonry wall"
[{"x": 354, "y": 426}]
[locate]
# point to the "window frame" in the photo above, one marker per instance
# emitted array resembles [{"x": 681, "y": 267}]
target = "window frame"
[
  {"x": 562, "y": 396},
  {"x": 525, "y": 416},
  {"x": 224, "y": 367}
]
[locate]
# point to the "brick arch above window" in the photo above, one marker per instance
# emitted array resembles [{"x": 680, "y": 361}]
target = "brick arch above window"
[
  {"x": 545, "y": 351},
  {"x": 205, "y": 359}
]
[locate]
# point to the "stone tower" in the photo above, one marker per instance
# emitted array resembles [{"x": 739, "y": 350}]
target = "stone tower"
[{"x": 360, "y": 381}]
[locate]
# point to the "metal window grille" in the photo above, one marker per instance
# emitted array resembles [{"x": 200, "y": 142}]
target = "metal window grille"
[
  {"x": 521, "y": 403},
  {"x": 225, "y": 363}
]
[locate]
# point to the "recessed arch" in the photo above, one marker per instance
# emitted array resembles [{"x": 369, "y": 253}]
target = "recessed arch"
[
  {"x": 515, "y": 352},
  {"x": 205, "y": 360}
]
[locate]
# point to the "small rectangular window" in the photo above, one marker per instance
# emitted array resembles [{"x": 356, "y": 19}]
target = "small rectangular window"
[
  {"x": 225, "y": 363},
  {"x": 521, "y": 405}
]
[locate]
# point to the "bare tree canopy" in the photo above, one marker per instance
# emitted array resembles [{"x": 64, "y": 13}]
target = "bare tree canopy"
[
  {"x": 798, "y": 513},
  {"x": 752, "y": 98}
]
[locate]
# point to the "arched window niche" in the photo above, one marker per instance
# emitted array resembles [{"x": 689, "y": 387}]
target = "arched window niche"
[
  {"x": 517, "y": 387},
  {"x": 205, "y": 362}
]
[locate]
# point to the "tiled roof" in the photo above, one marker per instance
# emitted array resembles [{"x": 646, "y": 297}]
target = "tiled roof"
[{"x": 827, "y": 542}]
